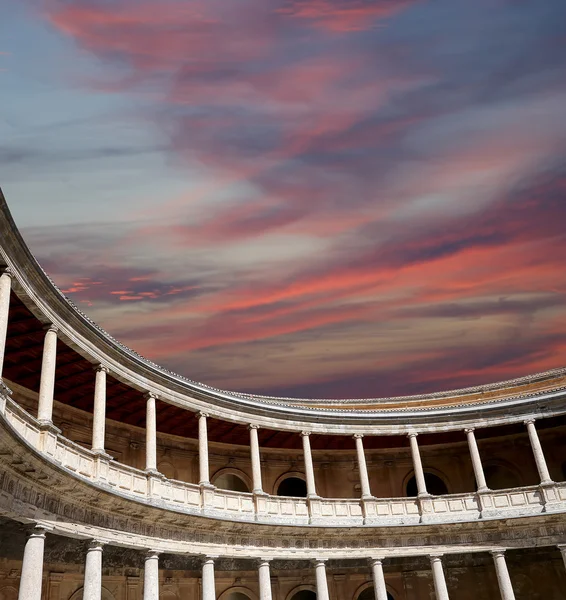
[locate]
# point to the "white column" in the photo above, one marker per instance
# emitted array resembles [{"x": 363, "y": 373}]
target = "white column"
[
  {"x": 150, "y": 434},
  {"x": 256, "y": 460},
  {"x": 538, "y": 452},
  {"x": 321, "y": 582},
  {"x": 417, "y": 465},
  {"x": 203, "y": 450},
  {"x": 99, "y": 410},
  {"x": 264, "y": 580},
  {"x": 562, "y": 549},
  {"x": 32, "y": 566},
  {"x": 92, "y": 589},
  {"x": 47, "y": 381},
  {"x": 362, "y": 466},
  {"x": 5, "y": 289},
  {"x": 476, "y": 460},
  {"x": 503, "y": 579},
  {"x": 440, "y": 588},
  {"x": 151, "y": 576},
  {"x": 208, "y": 584},
  {"x": 309, "y": 468},
  {"x": 378, "y": 579}
]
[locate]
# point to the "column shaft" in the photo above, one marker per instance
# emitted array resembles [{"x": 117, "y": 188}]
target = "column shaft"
[
  {"x": 208, "y": 584},
  {"x": 476, "y": 461},
  {"x": 32, "y": 566},
  {"x": 150, "y": 434},
  {"x": 92, "y": 589},
  {"x": 47, "y": 381},
  {"x": 378, "y": 580},
  {"x": 321, "y": 582},
  {"x": 440, "y": 588},
  {"x": 256, "y": 460},
  {"x": 503, "y": 579},
  {"x": 5, "y": 289},
  {"x": 362, "y": 466},
  {"x": 309, "y": 468},
  {"x": 264, "y": 581},
  {"x": 99, "y": 411},
  {"x": 203, "y": 450},
  {"x": 417, "y": 465},
  {"x": 151, "y": 576},
  {"x": 538, "y": 452}
]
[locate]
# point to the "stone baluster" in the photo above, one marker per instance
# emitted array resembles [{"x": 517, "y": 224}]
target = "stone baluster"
[
  {"x": 47, "y": 380},
  {"x": 321, "y": 581},
  {"x": 378, "y": 579},
  {"x": 208, "y": 584},
  {"x": 203, "y": 450},
  {"x": 362, "y": 466},
  {"x": 99, "y": 410},
  {"x": 5, "y": 290},
  {"x": 150, "y": 433},
  {"x": 264, "y": 580},
  {"x": 417, "y": 465},
  {"x": 92, "y": 589},
  {"x": 151, "y": 576},
  {"x": 256, "y": 460},
  {"x": 538, "y": 452},
  {"x": 476, "y": 460},
  {"x": 32, "y": 565},
  {"x": 503, "y": 579},
  {"x": 440, "y": 588},
  {"x": 309, "y": 468}
]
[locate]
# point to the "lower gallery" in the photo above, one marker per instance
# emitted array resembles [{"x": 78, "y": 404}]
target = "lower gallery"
[{"x": 120, "y": 480}]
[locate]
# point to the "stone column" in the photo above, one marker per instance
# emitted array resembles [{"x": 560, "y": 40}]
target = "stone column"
[
  {"x": 503, "y": 579},
  {"x": 47, "y": 381},
  {"x": 417, "y": 465},
  {"x": 264, "y": 580},
  {"x": 440, "y": 588},
  {"x": 203, "y": 450},
  {"x": 151, "y": 576},
  {"x": 309, "y": 468},
  {"x": 476, "y": 460},
  {"x": 32, "y": 565},
  {"x": 5, "y": 289},
  {"x": 562, "y": 549},
  {"x": 93, "y": 572},
  {"x": 256, "y": 460},
  {"x": 538, "y": 453},
  {"x": 150, "y": 434},
  {"x": 99, "y": 410},
  {"x": 208, "y": 584},
  {"x": 321, "y": 581},
  {"x": 378, "y": 579},
  {"x": 362, "y": 466}
]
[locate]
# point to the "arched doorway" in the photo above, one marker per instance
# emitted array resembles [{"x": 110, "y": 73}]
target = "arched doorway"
[
  {"x": 434, "y": 485},
  {"x": 369, "y": 594},
  {"x": 501, "y": 477},
  {"x": 236, "y": 596},
  {"x": 292, "y": 486},
  {"x": 231, "y": 479},
  {"x": 304, "y": 595}
]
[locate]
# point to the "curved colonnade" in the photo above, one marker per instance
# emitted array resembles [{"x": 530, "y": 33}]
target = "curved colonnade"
[{"x": 79, "y": 489}]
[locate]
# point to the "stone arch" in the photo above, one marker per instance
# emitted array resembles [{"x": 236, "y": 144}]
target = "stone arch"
[
  {"x": 290, "y": 475},
  {"x": 436, "y": 481},
  {"x": 238, "y": 592},
  {"x": 232, "y": 479},
  {"x": 501, "y": 474},
  {"x": 168, "y": 469},
  {"x": 294, "y": 593},
  {"x": 366, "y": 592},
  {"x": 8, "y": 592},
  {"x": 105, "y": 595}
]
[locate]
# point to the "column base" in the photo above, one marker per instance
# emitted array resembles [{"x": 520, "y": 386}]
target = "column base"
[
  {"x": 46, "y": 425},
  {"x": 206, "y": 485},
  {"x": 101, "y": 453}
]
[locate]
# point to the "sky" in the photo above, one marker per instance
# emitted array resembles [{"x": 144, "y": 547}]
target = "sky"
[{"x": 317, "y": 198}]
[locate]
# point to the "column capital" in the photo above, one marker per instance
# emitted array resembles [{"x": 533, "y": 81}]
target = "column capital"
[
  {"x": 95, "y": 545},
  {"x": 101, "y": 368},
  {"x": 253, "y": 426},
  {"x": 7, "y": 271},
  {"x": 437, "y": 556},
  {"x": 49, "y": 327},
  {"x": 151, "y": 395},
  {"x": 562, "y": 548},
  {"x": 36, "y": 530},
  {"x": 497, "y": 553},
  {"x": 530, "y": 421},
  {"x": 469, "y": 430},
  {"x": 263, "y": 561},
  {"x": 412, "y": 434},
  {"x": 358, "y": 436},
  {"x": 202, "y": 415},
  {"x": 208, "y": 559},
  {"x": 375, "y": 561},
  {"x": 152, "y": 554},
  {"x": 319, "y": 561},
  {"x": 305, "y": 433}
]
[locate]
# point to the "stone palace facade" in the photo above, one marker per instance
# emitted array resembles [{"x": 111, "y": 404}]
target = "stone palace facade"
[{"x": 120, "y": 480}]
